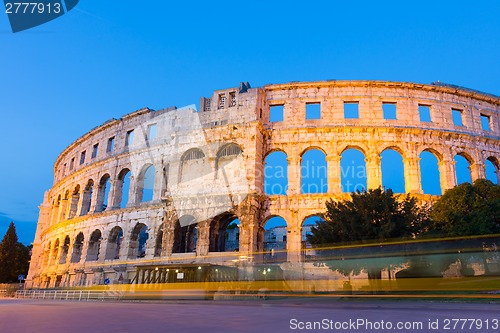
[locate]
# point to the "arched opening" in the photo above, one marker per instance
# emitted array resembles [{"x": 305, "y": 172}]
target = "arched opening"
[
  {"x": 224, "y": 168},
  {"x": 462, "y": 170},
  {"x": 233, "y": 236},
  {"x": 218, "y": 232},
  {"x": 77, "y": 248},
  {"x": 145, "y": 185},
  {"x": 94, "y": 245},
  {"x": 276, "y": 173},
  {"x": 393, "y": 171},
  {"x": 306, "y": 228},
  {"x": 353, "y": 170},
  {"x": 185, "y": 235},
  {"x": 159, "y": 241},
  {"x": 115, "y": 239},
  {"x": 193, "y": 165},
  {"x": 64, "y": 250},
  {"x": 103, "y": 193},
  {"x": 122, "y": 188},
  {"x": 313, "y": 172},
  {"x": 429, "y": 173},
  {"x": 75, "y": 198},
  {"x": 275, "y": 238},
  {"x": 55, "y": 251},
  {"x": 138, "y": 240},
  {"x": 492, "y": 173},
  {"x": 87, "y": 197},
  {"x": 64, "y": 206},
  {"x": 46, "y": 254},
  {"x": 55, "y": 210}
]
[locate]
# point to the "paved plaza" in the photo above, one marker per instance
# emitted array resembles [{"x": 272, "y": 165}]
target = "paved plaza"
[{"x": 334, "y": 315}]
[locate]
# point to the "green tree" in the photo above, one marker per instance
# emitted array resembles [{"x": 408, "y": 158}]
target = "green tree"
[
  {"x": 373, "y": 216},
  {"x": 468, "y": 210},
  {"x": 14, "y": 256}
]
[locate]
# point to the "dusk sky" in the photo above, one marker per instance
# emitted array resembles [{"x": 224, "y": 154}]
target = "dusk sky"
[{"x": 104, "y": 59}]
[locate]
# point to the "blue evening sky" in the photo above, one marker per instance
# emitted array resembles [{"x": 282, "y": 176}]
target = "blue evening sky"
[{"x": 107, "y": 58}]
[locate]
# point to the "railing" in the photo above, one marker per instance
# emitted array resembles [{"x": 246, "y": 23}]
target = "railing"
[{"x": 80, "y": 295}]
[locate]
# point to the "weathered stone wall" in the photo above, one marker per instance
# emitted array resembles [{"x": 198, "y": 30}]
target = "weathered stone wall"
[{"x": 209, "y": 171}]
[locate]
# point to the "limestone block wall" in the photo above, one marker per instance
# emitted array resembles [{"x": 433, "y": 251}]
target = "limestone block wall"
[{"x": 186, "y": 175}]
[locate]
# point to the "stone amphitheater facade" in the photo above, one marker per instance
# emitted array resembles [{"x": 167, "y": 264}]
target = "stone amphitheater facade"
[{"x": 191, "y": 173}]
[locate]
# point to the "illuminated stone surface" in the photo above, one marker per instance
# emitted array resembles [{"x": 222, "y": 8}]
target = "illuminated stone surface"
[{"x": 208, "y": 169}]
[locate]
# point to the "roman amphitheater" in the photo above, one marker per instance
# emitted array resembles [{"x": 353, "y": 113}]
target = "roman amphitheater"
[{"x": 160, "y": 189}]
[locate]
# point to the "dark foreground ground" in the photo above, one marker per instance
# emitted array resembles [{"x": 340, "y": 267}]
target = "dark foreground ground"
[{"x": 291, "y": 315}]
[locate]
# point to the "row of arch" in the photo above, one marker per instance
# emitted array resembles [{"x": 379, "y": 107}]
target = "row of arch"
[
  {"x": 354, "y": 174},
  {"x": 126, "y": 190},
  {"x": 223, "y": 236}
]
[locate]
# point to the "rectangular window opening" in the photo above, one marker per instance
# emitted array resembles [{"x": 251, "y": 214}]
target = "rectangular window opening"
[
  {"x": 208, "y": 101},
  {"x": 232, "y": 99},
  {"x": 129, "y": 139},
  {"x": 313, "y": 111},
  {"x": 425, "y": 113},
  {"x": 457, "y": 117},
  {"x": 276, "y": 113},
  {"x": 151, "y": 132},
  {"x": 485, "y": 122},
  {"x": 72, "y": 164},
  {"x": 389, "y": 110},
  {"x": 95, "y": 150},
  {"x": 111, "y": 145},
  {"x": 351, "y": 110},
  {"x": 82, "y": 157},
  {"x": 222, "y": 101}
]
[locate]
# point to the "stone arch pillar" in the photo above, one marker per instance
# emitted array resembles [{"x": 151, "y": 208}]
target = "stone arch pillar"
[
  {"x": 81, "y": 201},
  {"x": 413, "y": 180},
  {"x": 373, "y": 171},
  {"x": 294, "y": 176},
  {"x": 249, "y": 225},
  {"x": 59, "y": 252},
  {"x": 158, "y": 183},
  {"x": 447, "y": 173},
  {"x": 203, "y": 243},
  {"x": 63, "y": 208},
  {"x": 477, "y": 171},
  {"x": 150, "y": 242},
  {"x": 75, "y": 206},
  {"x": 95, "y": 195},
  {"x": 55, "y": 212},
  {"x": 102, "y": 247},
  {"x": 334, "y": 176},
  {"x": 112, "y": 200},
  {"x": 294, "y": 243},
  {"x": 260, "y": 238},
  {"x": 134, "y": 192},
  {"x": 70, "y": 249},
  {"x": 125, "y": 245},
  {"x": 85, "y": 247},
  {"x": 167, "y": 242},
  {"x": 249, "y": 229}
]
